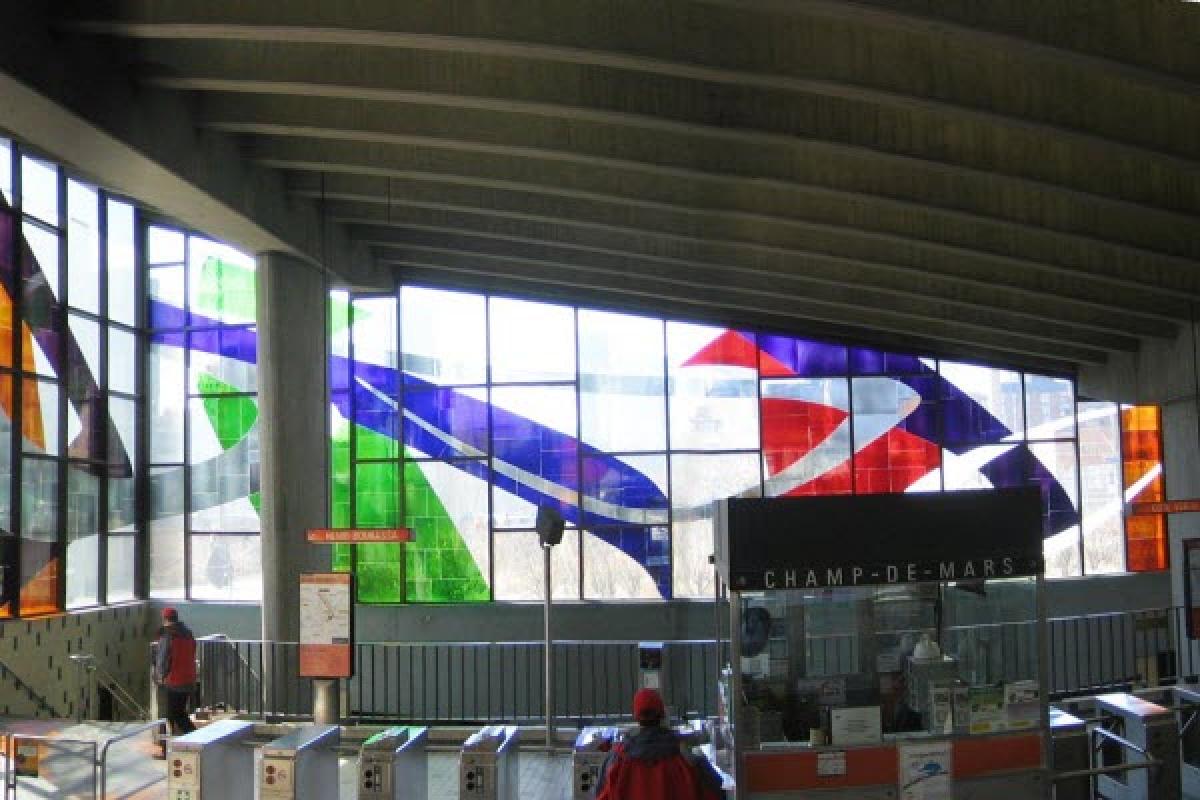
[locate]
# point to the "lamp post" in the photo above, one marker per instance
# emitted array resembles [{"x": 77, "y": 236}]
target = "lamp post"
[{"x": 549, "y": 526}]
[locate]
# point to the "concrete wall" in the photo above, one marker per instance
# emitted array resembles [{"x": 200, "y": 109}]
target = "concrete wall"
[{"x": 39, "y": 650}]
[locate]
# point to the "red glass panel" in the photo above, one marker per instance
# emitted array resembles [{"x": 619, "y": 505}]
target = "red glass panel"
[{"x": 893, "y": 462}]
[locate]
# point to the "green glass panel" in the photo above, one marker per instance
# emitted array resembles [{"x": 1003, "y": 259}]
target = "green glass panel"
[
  {"x": 226, "y": 291},
  {"x": 440, "y": 568},
  {"x": 376, "y": 495},
  {"x": 231, "y": 417}
]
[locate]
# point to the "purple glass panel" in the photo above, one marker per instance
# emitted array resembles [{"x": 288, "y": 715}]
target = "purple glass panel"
[
  {"x": 535, "y": 451},
  {"x": 444, "y": 423},
  {"x": 805, "y": 357},
  {"x": 240, "y": 344},
  {"x": 865, "y": 361},
  {"x": 967, "y": 422},
  {"x": 1019, "y": 467},
  {"x": 923, "y": 421}
]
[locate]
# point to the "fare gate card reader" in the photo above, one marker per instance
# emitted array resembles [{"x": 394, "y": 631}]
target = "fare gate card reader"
[
  {"x": 1069, "y": 753},
  {"x": 488, "y": 767},
  {"x": 392, "y": 765},
  {"x": 301, "y": 765},
  {"x": 212, "y": 762},
  {"x": 592, "y": 746}
]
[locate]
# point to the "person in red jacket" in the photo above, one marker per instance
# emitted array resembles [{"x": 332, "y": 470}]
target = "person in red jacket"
[
  {"x": 650, "y": 764},
  {"x": 175, "y": 669}
]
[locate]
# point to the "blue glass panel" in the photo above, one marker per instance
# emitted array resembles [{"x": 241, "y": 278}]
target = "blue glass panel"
[
  {"x": 803, "y": 357},
  {"x": 445, "y": 423},
  {"x": 623, "y": 490},
  {"x": 866, "y": 361}
]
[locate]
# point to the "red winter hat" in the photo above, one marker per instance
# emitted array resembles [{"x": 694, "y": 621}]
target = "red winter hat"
[
  {"x": 170, "y": 615},
  {"x": 648, "y": 705}
]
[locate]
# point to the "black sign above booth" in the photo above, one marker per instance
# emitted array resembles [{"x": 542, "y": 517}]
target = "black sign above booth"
[{"x": 864, "y": 540}]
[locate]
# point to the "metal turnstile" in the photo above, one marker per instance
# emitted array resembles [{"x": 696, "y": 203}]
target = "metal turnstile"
[
  {"x": 301, "y": 766},
  {"x": 1069, "y": 753},
  {"x": 392, "y": 765},
  {"x": 1132, "y": 731},
  {"x": 592, "y": 746},
  {"x": 1185, "y": 702},
  {"x": 488, "y": 767},
  {"x": 213, "y": 763}
]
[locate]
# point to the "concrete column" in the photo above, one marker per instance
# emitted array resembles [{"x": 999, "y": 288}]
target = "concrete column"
[{"x": 293, "y": 414}]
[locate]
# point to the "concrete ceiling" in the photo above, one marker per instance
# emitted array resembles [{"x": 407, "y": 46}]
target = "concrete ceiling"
[{"x": 998, "y": 179}]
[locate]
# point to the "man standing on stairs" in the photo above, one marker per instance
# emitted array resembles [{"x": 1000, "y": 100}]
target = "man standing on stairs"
[{"x": 175, "y": 669}]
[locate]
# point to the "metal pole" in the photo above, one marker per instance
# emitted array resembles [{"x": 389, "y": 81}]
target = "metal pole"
[
  {"x": 326, "y": 702},
  {"x": 549, "y": 645}
]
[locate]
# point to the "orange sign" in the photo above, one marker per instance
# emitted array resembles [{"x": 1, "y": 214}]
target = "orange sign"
[
  {"x": 358, "y": 535},
  {"x": 1168, "y": 507},
  {"x": 326, "y": 625}
]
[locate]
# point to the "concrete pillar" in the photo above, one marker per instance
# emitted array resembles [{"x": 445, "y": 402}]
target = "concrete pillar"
[{"x": 293, "y": 414}]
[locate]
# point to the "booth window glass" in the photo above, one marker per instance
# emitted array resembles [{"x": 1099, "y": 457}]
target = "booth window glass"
[
  {"x": 69, "y": 397},
  {"x": 459, "y": 414}
]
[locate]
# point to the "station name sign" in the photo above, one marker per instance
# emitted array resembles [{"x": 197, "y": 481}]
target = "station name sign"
[
  {"x": 866, "y": 540},
  {"x": 825, "y": 577},
  {"x": 358, "y": 535}
]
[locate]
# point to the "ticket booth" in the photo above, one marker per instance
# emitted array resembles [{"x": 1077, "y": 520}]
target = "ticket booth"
[
  {"x": 883, "y": 644},
  {"x": 215, "y": 762}
]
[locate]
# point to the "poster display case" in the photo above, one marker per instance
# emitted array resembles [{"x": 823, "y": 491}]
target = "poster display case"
[{"x": 886, "y": 646}]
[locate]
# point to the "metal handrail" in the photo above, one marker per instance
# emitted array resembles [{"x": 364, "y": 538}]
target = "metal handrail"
[
  {"x": 122, "y": 695},
  {"x": 222, "y": 637},
  {"x": 102, "y": 762}
]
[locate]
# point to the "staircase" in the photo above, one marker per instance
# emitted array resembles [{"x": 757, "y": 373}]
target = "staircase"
[{"x": 94, "y": 676}]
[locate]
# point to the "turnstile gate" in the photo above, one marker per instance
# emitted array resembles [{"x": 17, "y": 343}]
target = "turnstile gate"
[
  {"x": 301, "y": 766},
  {"x": 592, "y": 746},
  {"x": 1134, "y": 731},
  {"x": 1069, "y": 753},
  {"x": 488, "y": 767},
  {"x": 392, "y": 765},
  {"x": 212, "y": 763}
]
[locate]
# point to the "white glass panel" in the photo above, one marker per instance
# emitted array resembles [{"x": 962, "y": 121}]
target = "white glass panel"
[
  {"x": 87, "y": 337},
  {"x": 714, "y": 403},
  {"x": 164, "y": 246},
  {"x": 83, "y": 247},
  {"x": 221, "y": 282},
  {"x": 121, "y": 563},
  {"x": 444, "y": 336},
  {"x": 1050, "y": 407},
  {"x": 44, "y": 245},
  {"x": 39, "y": 189},
  {"x": 374, "y": 330},
  {"x": 122, "y": 361},
  {"x": 697, "y": 481},
  {"x": 531, "y": 341},
  {"x": 996, "y": 391},
  {"x": 226, "y": 567},
  {"x": 1100, "y": 475},
  {"x": 165, "y": 286},
  {"x": 6, "y": 170},
  {"x": 123, "y": 415},
  {"x": 520, "y": 566},
  {"x": 166, "y": 532},
  {"x": 609, "y": 573},
  {"x": 41, "y": 397},
  {"x": 122, "y": 292},
  {"x": 1062, "y": 549},
  {"x": 165, "y": 376},
  {"x": 83, "y": 544},
  {"x": 621, "y": 382}
]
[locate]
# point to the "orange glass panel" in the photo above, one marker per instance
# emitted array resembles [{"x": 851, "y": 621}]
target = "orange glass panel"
[
  {"x": 6, "y": 329},
  {"x": 1141, "y": 447},
  {"x": 39, "y": 594}
]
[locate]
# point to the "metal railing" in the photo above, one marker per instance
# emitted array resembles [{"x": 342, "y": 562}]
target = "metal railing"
[
  {"x": 92, "y": 675},
  {"x": 474, "y": 682}
]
